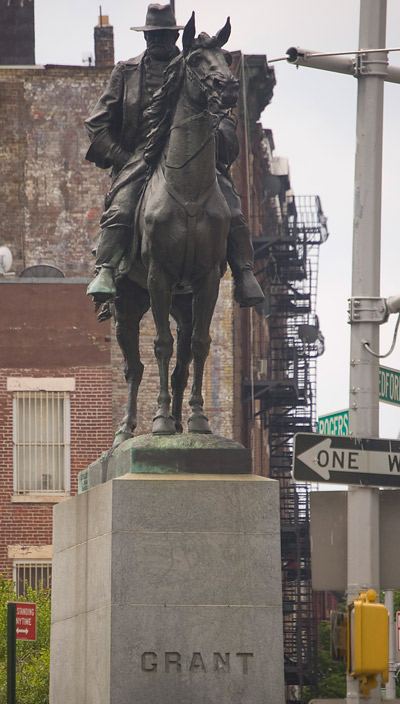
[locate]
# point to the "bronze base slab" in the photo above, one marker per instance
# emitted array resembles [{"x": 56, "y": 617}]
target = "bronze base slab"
[{"x": 168, "y": 454}]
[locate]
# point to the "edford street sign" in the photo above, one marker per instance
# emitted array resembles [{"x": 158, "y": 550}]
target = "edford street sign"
[
  {"x": 344, "y": 460},
  {"x": 389, "y": 385},
  {"x": 337, "y": 423}
]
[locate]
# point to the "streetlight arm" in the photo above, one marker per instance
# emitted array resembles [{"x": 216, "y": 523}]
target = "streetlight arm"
[
  {"x": 313, "y": 59},
  {"x": 354, "y": 65},
  {"x": 393, "y": 304}
]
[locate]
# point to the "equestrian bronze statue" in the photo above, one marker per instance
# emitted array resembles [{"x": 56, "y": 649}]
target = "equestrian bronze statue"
[{"x": 172, "y": 217}]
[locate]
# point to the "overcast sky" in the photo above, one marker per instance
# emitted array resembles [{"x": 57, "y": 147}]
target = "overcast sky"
[{"x": 312, "y": 116}]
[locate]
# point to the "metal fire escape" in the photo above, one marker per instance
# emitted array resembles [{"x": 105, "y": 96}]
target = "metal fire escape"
[{"x": 283, "y": 393}]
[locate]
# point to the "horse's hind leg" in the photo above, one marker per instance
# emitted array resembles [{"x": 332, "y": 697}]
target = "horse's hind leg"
[
  {"x": 204, "y": 300},
  {"x": 160, "y": 296},
  {"x": 131, "y": 303},
  {"x": 181, "y": 311}
]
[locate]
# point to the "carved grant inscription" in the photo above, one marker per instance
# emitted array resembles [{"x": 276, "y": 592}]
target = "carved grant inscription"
[{"x": 174, "y": 662}]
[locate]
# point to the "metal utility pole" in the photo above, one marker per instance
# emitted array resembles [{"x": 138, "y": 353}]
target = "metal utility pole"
[
  {"x": 363, "y": 502},
  {"x": 367, "y": 309},
  {"x": 391, "y": 684}
]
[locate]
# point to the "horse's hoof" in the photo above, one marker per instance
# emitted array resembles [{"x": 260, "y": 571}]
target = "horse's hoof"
[
  {"x": 164, "y": 425},
  {"x": 198, "y": 424},
  {"x": 248, "y": 291},
  {"x": 178, "y": 427},
  {"x": 121, "y": 436}
]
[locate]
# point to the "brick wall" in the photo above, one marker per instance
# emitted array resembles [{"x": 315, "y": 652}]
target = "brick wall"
[
  {"x": 17, "y": 36},
  {"x": 53, "y": 196},
  {"x": 90, "y": 406},
  {"x": 104, "y": 44},
  {"x": 50, "y": 330}
]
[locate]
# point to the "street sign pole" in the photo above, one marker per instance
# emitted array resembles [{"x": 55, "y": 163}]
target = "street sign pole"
[
  {"x": 390, "y": 688},
  {"x": 363, "y": 503},
  {"x": 11, "y": 653}
]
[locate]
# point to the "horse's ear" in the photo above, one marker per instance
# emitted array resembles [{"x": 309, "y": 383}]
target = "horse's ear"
[
  {"x": 223, "y": 35},
  {"x": 189, "y": 34}
]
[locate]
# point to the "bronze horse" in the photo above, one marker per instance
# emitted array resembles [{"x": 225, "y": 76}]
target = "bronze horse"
[{"x": 183, "y": 221}]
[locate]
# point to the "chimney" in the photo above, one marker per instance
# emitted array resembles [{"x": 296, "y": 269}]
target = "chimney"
[
  {"x": 17, "y": 33},
  {"x": 103, "y": 42}
]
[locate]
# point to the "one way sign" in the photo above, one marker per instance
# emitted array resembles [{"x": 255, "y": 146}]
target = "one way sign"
[{"x": 345, "y": 460}]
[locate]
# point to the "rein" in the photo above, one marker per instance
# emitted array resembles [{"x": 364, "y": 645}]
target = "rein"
[
  {"x": 218, "y": 119},
  {"x": 193, "y": 156},
  {"x": 199, "y": 82}
]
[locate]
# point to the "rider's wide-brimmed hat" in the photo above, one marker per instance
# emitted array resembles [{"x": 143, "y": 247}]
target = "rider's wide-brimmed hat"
[{"x": 159, "y": 17}]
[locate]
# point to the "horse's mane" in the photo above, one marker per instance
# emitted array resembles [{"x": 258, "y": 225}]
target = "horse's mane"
[{"x": 162, "y": 109}]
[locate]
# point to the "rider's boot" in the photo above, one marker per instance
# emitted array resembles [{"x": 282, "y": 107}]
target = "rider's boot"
[
  {"x": 109, "y": 251},
  {"x": 102, "y": 287},
  {"x": 248, "y": 291}
]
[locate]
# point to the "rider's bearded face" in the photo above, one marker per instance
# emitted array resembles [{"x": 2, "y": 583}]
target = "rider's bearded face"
[{"x": 161, "y": 43}]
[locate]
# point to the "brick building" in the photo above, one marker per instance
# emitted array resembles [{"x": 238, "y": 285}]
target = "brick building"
[
  {"x": 55, "y": 411},
  {"x": 62, "y": 390}
]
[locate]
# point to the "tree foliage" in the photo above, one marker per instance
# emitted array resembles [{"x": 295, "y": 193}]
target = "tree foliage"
[
  {"x": 33, "y": 657},
  {"x": 331, "y": 674}
]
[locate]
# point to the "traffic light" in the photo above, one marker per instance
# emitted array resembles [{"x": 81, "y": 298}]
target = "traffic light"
[{"x": 367, "y": 640}]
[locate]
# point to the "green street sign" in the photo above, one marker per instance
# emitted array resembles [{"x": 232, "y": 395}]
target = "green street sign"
[
  {"x": 389, "y": 386},
  {"x": 334, "y": 423},
  {"x": 389, "y": 392}
]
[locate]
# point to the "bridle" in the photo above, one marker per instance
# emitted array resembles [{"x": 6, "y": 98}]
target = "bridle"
[{"x": 217, "y": 117}]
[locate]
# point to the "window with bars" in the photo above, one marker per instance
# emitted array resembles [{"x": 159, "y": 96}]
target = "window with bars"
[
  {"x": 41, "y": 442},
  {"x": 32, "y": 574}
]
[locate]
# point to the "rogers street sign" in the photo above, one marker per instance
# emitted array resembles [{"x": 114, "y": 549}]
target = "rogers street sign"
[{"x": 345, "y": 460}]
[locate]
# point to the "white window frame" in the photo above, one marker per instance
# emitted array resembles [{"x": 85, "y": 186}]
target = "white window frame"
[
  {"x": 21, "y": 385},
  {"x": 31, "y": 563}
]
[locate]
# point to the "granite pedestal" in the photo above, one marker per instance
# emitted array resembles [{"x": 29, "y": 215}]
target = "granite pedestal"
[{"x": 167, "y": 590}]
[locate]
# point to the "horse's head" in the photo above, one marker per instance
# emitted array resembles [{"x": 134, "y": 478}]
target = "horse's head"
[{"x": 211, "y": 83}]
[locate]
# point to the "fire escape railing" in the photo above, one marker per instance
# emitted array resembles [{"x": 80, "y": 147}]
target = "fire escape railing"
[{"x": 284, "y": 384}]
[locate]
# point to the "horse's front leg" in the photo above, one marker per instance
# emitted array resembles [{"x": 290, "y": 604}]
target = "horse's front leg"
[
  {"x": 131, "y": 303},
  {"x": 181, "y": 311},
  {"x": 204, "y": 300},
  {"x": 160, "y": 297}
]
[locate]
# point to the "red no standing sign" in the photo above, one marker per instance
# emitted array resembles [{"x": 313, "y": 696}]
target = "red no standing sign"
[{"x": 25, "y": 626}]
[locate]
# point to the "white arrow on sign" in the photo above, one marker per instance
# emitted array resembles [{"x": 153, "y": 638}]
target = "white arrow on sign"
[
  {"x": 310, "y": 458},
  {"x": 323, "y": 460},
  {"x": 22, "y": 630}
]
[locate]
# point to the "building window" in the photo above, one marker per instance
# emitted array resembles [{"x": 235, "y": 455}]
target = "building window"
[
  {"x": 41, "y": 442},
  {"x": 36, "y": 575}
]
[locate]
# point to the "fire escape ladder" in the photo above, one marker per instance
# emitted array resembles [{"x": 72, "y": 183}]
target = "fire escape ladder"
[{"x": 284, "y": 385}]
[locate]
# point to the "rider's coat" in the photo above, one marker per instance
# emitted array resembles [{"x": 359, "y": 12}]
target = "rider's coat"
[
  {"x": 114, "y": 121},
  {"x": 113, "y": 124}
]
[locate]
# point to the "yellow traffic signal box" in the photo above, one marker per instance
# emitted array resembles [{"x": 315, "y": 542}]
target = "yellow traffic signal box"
[{"x": 367, "y": 640}]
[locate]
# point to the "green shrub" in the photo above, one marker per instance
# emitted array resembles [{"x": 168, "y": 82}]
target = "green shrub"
[{"x": 33, "y": 657}]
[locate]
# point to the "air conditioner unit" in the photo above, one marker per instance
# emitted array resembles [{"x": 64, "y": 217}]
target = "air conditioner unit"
[{"x": 261, "y": 369}]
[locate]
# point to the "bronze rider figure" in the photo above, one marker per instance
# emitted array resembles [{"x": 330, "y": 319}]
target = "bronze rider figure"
[{"x": 118, "y": 128}]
